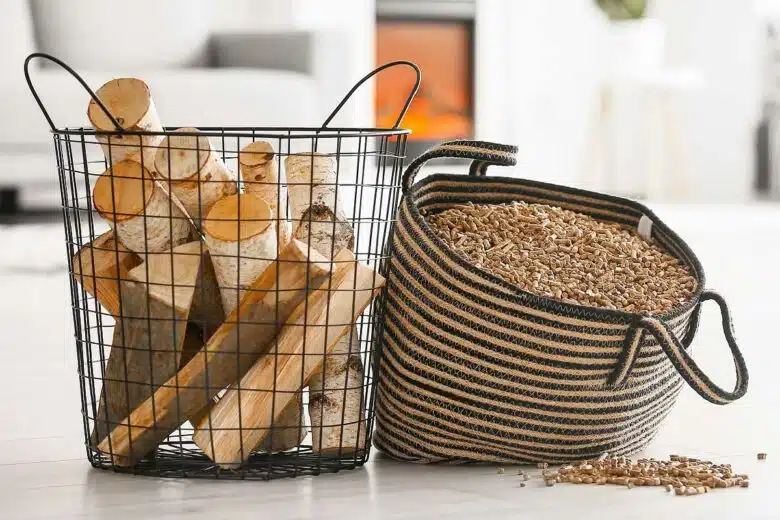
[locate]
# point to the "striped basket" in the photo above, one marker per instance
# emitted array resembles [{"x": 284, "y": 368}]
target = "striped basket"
[{"x": 474, "y": 369}]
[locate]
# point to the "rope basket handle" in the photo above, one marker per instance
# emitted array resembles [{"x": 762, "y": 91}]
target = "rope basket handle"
[
  {"x": 682, "y": 361},
  {"x": 482, "y": 154},
  {"x": 119, "y": 129}
]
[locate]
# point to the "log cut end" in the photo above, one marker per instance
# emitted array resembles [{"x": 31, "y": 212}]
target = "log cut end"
[
  {"x": 181, "y": 157},
  {"x": 238, "y": 217},
  {"x": 255, "y": 154},
  {"x": 128, "y": 100},
  {"x": 123, "y": 191}
]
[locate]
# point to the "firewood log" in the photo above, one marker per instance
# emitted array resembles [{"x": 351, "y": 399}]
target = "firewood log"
[
  {"x": 242, "y": 243},
  {"x": 194, "y": 171},
  {"x": 317, "y": 216},
  {"x": 149, "y": 337},
  {"x": 100, "y": 265},
  {"x": 261, "y": 176},
  {"x": 250, "y": 329},
  {"x": 143, "y": 216},
  {"x": 243, "y": 417},
  {"x": 335, "y": 397},
  {"x": 130, "y": 101}
]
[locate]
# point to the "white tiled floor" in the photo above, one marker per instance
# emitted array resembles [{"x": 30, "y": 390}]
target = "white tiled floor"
[{"x": 43, "y": 473}]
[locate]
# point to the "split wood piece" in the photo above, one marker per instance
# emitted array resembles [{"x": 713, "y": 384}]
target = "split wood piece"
[
  {"x": 243, "y": 417},
  {"x": 242, "y": 242},
  {"x": 129, "y": 100},
  {"x": 251, "y": 328},
  {"x": 197, "y": 175},
  {"x": 207, "y": 313},
  {"x": 335, "y": 399},
  {"x": 143, "y": 216},
  {"x": 149, "y": 337},
  {"x": 289, "y": 429},
  {"x": 100, "y": 265},
  {"x": 261, "y": 176},
  {"x": 316, "y": 211}
]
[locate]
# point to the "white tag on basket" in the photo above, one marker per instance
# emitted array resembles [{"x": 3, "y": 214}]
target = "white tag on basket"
[{"x": 645, "y": 227}]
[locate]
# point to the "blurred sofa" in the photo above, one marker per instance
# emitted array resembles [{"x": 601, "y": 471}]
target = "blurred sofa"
[{"x": 199, "y": 75}]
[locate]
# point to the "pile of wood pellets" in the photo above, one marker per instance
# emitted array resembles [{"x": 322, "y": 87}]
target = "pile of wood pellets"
[
  {"x": 565, "y": 255},
  {"x": 685, "y": 476}
]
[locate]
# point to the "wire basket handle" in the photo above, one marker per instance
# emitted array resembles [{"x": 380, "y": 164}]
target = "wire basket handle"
[
  {"x": 73, "y": 73},
  {"x": 373, "y": 73}
]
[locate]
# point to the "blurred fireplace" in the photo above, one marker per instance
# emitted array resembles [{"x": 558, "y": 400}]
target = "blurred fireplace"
[{"x": 441, "y": 42}]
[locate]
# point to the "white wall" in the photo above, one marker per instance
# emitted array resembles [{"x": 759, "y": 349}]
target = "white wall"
[
  {"x": 722, "y": 40},
  {"x": 538, "y": 69}
]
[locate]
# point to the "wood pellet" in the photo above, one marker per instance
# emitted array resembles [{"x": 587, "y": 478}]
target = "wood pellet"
[
  {"x": 565, "y": 255},
  {"x": 682, "y": 475}
]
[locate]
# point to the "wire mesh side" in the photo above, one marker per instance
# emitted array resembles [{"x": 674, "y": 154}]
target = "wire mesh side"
[{"x": 366, "y": 180}]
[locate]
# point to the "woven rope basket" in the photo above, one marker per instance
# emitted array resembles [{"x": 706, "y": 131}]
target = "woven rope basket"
[{"x": 474, "y": 369}]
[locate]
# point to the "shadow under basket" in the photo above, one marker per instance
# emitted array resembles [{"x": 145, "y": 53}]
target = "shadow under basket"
[{"x": 222, "y": 328}]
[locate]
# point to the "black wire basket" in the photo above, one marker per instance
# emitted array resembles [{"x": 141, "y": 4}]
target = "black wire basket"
[{"x": 224, "y": 322}]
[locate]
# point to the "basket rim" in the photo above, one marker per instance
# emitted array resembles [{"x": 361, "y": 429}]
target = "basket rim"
[
  {"x": 587, "y": 311},
  {"x": 251, "y": 132}
]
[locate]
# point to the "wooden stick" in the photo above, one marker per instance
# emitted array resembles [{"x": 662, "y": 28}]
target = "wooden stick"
[
  {"x": 100, "y": 265},
  {"x": 261, "y": 176},
  {"x": 129, "y": 100},
  {"x": 243, "y": 417},
  {"x": 335, "y": 396},
  {"x": 197, "y": 175},
  {"x": 143, "y": 216},
  {"x": 251, "y": 327},
  {"x": 242, "y": 243},
  {"x": 149, "y": 336}
]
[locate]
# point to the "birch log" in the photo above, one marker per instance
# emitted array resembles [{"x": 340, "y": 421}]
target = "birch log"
[
  {"x": 335, "y": 393},
  {"x": 250, "y": 329},
  {"x": 197, "y": 175},
  {"x": 148, "y": 339},
  {"x": 242, "y": 243},
  {"x": 144, "y": 218},
  {"x": 130, "y": 101},
  {"x": 261, "y": 176},
  {"x": 100, "y": 265},
  {"x": 317, "y": 216},
  {"x": 243, "y": 417}
]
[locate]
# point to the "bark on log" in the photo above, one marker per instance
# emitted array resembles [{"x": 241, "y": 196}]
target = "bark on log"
[
  {"x": 149, "y": 338},
  {"x": 251, "y": 327},
  {"x": 261, "y": 176},
  {"x": 336, "y": 400},
  {"x": 317, "y": 216},
  {"x": 335, "y": 397},
  {"x": 242, "y": 243},
  {"x": 243, "y": 417},
  {"x": 194, "y": 171},
  {"x": 100, "y": 265},
  {"x": 130, "y": 102},
  {"x": 144, "y": 218}
]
